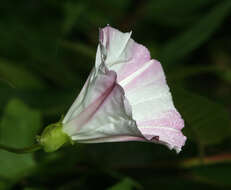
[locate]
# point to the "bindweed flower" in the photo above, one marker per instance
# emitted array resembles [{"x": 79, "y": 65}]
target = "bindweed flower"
[{"x": 125, "y": 98}]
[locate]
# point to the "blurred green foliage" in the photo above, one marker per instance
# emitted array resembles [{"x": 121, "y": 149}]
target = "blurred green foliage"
[
  {"x": 47, "y": 50},
  {"x": 17, "y": 131}
]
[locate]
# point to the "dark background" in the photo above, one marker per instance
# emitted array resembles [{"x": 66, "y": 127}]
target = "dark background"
[{"x": 47, "y": 49}]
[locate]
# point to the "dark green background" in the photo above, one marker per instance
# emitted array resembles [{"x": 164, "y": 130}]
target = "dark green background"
[{"x": 47, "y": 49}]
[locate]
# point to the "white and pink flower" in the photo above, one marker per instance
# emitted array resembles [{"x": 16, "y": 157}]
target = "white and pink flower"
[{"x": 125, "y": 98}]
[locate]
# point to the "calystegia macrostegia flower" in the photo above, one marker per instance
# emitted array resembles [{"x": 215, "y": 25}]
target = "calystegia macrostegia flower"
[{"x": 125, "y": 98}]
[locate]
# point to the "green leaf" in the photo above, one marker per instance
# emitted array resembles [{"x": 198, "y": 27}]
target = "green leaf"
[
  {"x": 226, "y": 75},
  {"x": 179, "y": 73},
  {"x": 18, "y": 128},
  {"x": 18, "y": 77},
  {"x": 196, "y": 34},
  {"x": 79, "y": 48},
  {"x": 215, "y": 174},
  {"x": 73, "y": 11},
  {"x": 125, "y": 184},
  {"x": 168, "y": 12},
  {"x": 51, "y": 102},
  {"x": 207, "y": 122},
  {"x": 176, "y": 182},
  {"x": 2, "y": 185}
]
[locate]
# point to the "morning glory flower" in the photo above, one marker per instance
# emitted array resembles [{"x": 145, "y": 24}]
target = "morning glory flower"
[{"x": 125, "y": 98}]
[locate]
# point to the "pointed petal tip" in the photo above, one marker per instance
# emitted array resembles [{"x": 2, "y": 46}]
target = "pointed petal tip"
[{"x": 179, "y": 148}]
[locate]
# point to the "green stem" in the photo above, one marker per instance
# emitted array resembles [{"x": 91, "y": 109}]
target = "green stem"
[{"x": 30, "y": 149}]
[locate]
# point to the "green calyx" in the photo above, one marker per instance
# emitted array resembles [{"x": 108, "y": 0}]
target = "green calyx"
[{"x": 53, "y": 137}]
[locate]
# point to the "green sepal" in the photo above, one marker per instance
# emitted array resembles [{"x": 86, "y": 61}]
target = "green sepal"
[{"x": 53, "y": 137}]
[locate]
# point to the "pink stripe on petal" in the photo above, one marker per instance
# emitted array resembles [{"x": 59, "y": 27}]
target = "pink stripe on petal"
[
  {"x": 105, "y": 111},
  {"x": 105, "y": 85},
  {"x": 139, "y": 56},
  {"x": 152, "y": 74},
  {"x": 111, "y": 120}
]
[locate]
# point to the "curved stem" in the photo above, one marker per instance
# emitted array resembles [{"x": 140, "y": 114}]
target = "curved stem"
[{"x": 29, "y": 149}]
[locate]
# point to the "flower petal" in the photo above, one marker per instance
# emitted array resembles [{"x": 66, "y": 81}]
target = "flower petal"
[
  {"x": 80, "y": 98},
  {"x": 153, "y": 108},
  {"x": 144, "y": 83},
  {"x": 167, "y": 127},
  {"x": 122, "y": 54},
  {"x": 104, "y": 112},
  {"x": 113, "y": 42}
]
